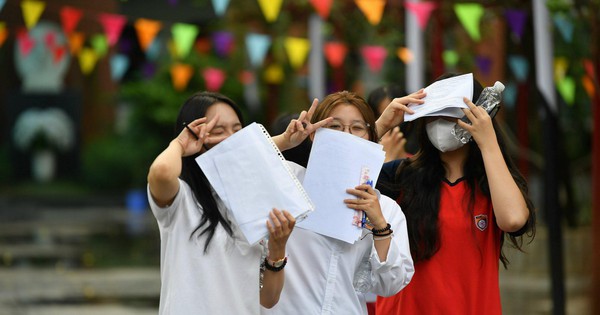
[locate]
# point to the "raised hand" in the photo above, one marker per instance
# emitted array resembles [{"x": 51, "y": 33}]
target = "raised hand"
[
  {"x": 299, "y": 129},
  {"x": 393, "y": 115},
  {"x": 481, "y": 127},
  {"x": 368, "y": 202},
  {"x": 394, "y": 144},
  {"x": 195, "y": 134},
  {"x": 280, "y": 227}
]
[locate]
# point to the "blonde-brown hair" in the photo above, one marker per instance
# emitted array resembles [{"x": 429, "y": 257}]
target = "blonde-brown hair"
[{"x": 332, "y": 100}]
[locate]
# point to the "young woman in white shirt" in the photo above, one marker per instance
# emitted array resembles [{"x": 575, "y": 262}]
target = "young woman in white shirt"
[{"x": 330, "y": 276}]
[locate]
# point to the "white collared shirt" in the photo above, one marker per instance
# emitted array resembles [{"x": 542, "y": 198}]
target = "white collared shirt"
[
  {"x": 225, "y": 280},
  {"x": 325, "y": 276}
]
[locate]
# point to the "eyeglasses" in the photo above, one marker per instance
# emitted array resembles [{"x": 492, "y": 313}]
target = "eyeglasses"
[{"x": 357, "y": 128}]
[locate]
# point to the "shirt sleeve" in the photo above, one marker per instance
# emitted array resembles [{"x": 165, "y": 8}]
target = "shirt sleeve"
[
  {"x": 163, "y": 214},
  {"x": 391, "y": 276}
]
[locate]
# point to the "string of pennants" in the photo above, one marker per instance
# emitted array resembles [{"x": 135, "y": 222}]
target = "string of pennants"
[{"x": 184, "y": 38}]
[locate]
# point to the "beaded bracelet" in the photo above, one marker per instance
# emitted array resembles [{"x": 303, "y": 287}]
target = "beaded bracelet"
[
  {"x": 270, "y": 267},
  {"x": 375, "y": 231},
  {"x": 390, "y": 231},
  {"x": 379, "y": 238}
]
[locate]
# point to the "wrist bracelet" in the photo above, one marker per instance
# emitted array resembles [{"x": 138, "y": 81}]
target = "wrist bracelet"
[
  {"x": 275, "y": 268},
  {"x": 386, "y": 228},
  {"x": 386, "y": 233},
  {"x": 379, "y": 238}
]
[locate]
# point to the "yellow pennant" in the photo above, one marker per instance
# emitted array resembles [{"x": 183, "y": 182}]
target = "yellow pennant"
[
  {"x": 87, "y": 60},
  {"x": 32, "y": 10},
  {"x": 561, "y": 64},
  {"x": 270, "y": 9},
  {"x": 588, "y": 85},
  {"x": 274, "y": 74},
  {"x": 372, "y": 9},
  {"x": 297, "y": 49}
]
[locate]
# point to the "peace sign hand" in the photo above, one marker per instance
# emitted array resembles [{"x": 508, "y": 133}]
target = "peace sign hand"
[{"x": 194, "y": 135}]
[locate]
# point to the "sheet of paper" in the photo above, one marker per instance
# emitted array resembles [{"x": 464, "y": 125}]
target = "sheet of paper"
[
  {"x": 335, "y": 164},
  {"x": 250, "y": 176},
  {"x": 444, "y": 98}
]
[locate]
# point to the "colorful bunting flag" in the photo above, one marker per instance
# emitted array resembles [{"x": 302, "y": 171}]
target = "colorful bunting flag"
[
  {"x": 297, "y": 49},
  {"x": 87, "y": 60},
  {"x": 224, "y": 43},
  {"x": 564, "y": 26},
  {"x": 155, "y": 48},
  {"x": 146, "y": 31},
  {"x": 270, "y": 9},
  {"x": 421, "y": 11},
  {"x": 3, "y": 32},
  {"x": 374, "y": 56},
  {"x": 181, "y": 75},
  {"x": 76, "y": 40},
  {"x": 566, "y": 89},
  {"x": 184, "y": 36},
  {"x": 405, "y": 55},
  {"x": 484, "y": 64},
  {"x": 119, "y": 64},
  {"x": 220, "y": 6},
  {"x": 519, "y": 67},
  {"x": 100, "y": 44},
  {"x": 561, "y": 64},
  {"x": 516, "y": 21},
  {"x": 2, "y": 3},
  {"x": 257, "y": 46},
  {"x": 335, "y": 53},
  {"x": 509, "y": 95},
  {"x": 274, "y": 74},
  {"x": 213, "y": 78},
  {"x": 113, "y": 26},
  {"x": 372, "y": 9},
  {"x": 470, "y": 15},
  {"x": 32, "y": 10},
  {"x": 323, "y": 7},
  {"x": 69, "y": 18},
  {"x": 588, "y": 65},
  {"x": 450, "y": 58},
  {"x": 588, "y": 85}
]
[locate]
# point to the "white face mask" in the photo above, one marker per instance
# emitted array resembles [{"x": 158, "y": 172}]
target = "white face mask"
[{"x": 439, "y": 133}]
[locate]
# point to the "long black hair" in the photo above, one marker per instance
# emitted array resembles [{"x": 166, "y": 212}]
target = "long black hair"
[
  {"x": 193, "y": 108},
  {"x": 417, "y": 185}
]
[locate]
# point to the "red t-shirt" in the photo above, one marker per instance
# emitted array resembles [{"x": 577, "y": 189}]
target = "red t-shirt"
[{"x": 462, "y": 277}]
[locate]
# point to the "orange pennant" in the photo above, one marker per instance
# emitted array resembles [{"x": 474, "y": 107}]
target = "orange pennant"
[
  {"x": 76, "y": 40},
  {"x": 405, "y": 55},
  {"x": 3, "y": 33},
  {"x": 588, "y": 85},
  {"x": 146, "y": 31},
  {"x": 181, "y": 75},
  {"x": 372, "y": 9}
]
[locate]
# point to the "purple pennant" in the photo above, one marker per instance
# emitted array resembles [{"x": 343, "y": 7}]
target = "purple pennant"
[
  {"x": 223, "y": 42},
  {"x": 125, "y": 45},
  {"x": 173, "y": 2},
  {"x": 484, "y": 64},
  {"x": 148, "y": 70},
  {"x": 516, "y": 21}
]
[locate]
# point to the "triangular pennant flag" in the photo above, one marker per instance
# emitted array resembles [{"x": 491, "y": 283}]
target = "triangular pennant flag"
[
  {"x": 223, "y": 42},
  {"x": 87, "y": 60},
  {"x": 118, "y": 66},
  {"x": 184, "y": 36},
  {"x": 100, "y": 44},
  {"x": 214, "y": 78},
  {"x": 566, "y": 88},
  {"x": 270, "y": 9},
  {"x": 335, "y": 53},
  {"x": 220, "y": 6},
  {"x": 297, "y": 49},
  {"x": 274, "y": 74},
  {"x": 2, "y": 3},
  {"x": 509, "y": 95},
  {"x": 3, "y": 33},
  {"x": 470, "y": 15},
  {"x": 588, "y": 65},
  {"x": 26, "y": 44},
  {"x": 450, "y": 58},
  {"x": 76, "y": 40},
  {"x": 561, "y": 64},
  {"x": 374, "y": 56},
  {"x": 113, "y": 26},
  {"x": 564, "y": 26},
  {"x": 588, "y": 85},
  {"x": 153, "y": 51},
  {"x": 372, "y": 9},
  {"x": 146, "y": 31},
  {"x": 69, "y": 18},
  {"x": 257, "y": 46},
  {"x": 405, "y": 55},
  {"x": 421, "y": 11},
  {"x": 323, "y": 7},
  {"x": 484, "y": 64},
  {"x": 148, "y": 70},
  {"x": 516, "y": 21},
  {"x": 181, "y": 75},
  {"x": 519, "y": 67},
  {"x": 32, "y": 10}
]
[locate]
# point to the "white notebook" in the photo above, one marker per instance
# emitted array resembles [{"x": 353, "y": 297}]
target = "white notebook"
[{"x": 251, "y": 176}]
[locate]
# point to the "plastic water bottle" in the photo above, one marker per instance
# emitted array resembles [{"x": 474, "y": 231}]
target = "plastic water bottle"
[{"x": 490, "y": 101}]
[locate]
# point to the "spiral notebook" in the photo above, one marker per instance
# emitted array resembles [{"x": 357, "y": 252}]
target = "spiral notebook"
[{"x": 251, "y": 176}]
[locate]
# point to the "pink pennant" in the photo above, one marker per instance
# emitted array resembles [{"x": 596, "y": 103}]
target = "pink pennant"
[
  {"x": 113, "y": 26},
  {"x": 422, "y": 11},
  {"x": 214, "y": 78},
  {"x": 374, "y": 56},
  {"x": 335, "y": 53},
  {"x": 323, "y": 7},
  {"x": 70, "y": 17},
  {"x": 484, "y": 64},
  {"x": 58, "y": 54},
  {"x": 26, "y": 43}
]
